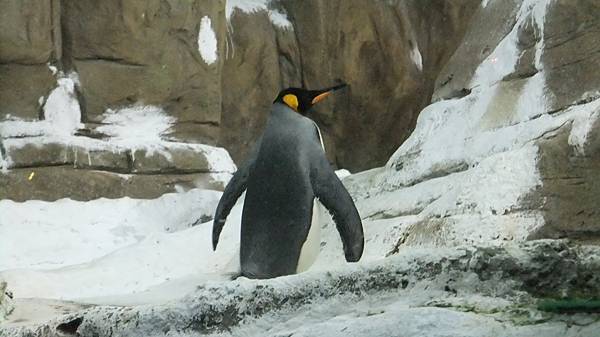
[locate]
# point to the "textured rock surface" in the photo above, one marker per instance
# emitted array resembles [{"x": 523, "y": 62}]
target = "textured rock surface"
[
  {"x": 150, "y": 52},
  {"x": 57, "y": 182},
  {"x": 145, "y": 51},
  {"x": 27, "y": 43},
  {"x": 509, "y": 149}
]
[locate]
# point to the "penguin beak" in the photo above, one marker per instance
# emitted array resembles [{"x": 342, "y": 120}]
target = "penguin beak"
[{"x": 326, "y": 92}]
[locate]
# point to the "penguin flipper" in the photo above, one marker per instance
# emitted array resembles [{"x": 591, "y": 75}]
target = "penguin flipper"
[
  {"x": 233, "y": 190},
  {"x": 334, "y": 196}
]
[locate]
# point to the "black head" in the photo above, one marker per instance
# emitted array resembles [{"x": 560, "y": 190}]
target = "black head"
[{"x": 301, "y": 100}]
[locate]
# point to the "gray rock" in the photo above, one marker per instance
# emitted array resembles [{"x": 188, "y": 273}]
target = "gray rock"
[
  {"x": 176, "y": 160},
  {"x": 38, "y": 154},
  {"x": 106, "y": 160}
]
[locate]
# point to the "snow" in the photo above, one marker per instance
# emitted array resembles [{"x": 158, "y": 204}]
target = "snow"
[
  {"x": 88, "y": 254},
  {"x": 342, "y": 173},
  {"x": 67, "y": 232},
  {"x": 207, "y": 41},
  {"x": 136, "y": 125},
  {"x": 478, "y": 125},
  {"x": 278, "y": 18},
  {"x": 416, "y": 57},
  {"x": 61, "y": 110},
  {"x": 53, "y": 69}
]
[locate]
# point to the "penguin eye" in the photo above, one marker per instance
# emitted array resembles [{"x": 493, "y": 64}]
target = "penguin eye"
[{"x": 291, "y": 100}]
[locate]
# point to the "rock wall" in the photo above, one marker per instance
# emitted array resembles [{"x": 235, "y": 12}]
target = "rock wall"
[
  {"x": 509, "y": 150},
  {"x": 213, "y": 67}
]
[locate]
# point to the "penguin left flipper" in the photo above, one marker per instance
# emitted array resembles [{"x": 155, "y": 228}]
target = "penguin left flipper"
[
  {"x": 333, "y": 195},
  {"x": 232, "y": 192}
]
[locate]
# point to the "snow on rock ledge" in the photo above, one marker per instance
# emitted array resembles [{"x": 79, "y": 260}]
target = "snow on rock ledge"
[
  {"x": 504, "y": 153},
  {"x": 127, "y": 147}
]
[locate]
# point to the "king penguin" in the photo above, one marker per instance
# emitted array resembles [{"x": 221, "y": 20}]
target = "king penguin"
[{"x": 286, "y": 177}]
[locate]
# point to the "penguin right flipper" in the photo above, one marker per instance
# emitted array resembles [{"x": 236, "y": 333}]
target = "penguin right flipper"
[
  {"x": 232, "y": 192},
  {"x": 333, "y": 195}
]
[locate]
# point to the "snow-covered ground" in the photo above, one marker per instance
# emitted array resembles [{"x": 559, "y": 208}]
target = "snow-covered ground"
[{"x": 83, "y": 251}]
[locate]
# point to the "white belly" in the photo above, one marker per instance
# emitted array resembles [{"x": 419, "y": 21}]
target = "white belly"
[{"x": 312, "y": 245}]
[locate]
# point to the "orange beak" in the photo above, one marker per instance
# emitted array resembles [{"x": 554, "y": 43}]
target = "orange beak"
[
  {"x": 326, "y": 92},
  {"x": 321, "y": 97}
]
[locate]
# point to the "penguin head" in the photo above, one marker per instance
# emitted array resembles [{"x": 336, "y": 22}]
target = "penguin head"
[{"x": 301, "y": 100}]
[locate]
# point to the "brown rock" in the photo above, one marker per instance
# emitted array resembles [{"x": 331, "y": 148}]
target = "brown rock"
[
  {"x": 21, "y": 87},
  {"x": 570, "y": 189},
  {"x": 26, "y": 31},
  {"x": 53, "y": 183},
  {"x": 374, "y": 49},
  {"x": 251, "y": 78},
  {"x": 571, "y": 55},
  {"x": 487, "y": 28},
  {"x": 145, "y": 51}
]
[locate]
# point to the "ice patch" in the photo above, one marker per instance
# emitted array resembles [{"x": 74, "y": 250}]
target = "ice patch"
[{"x": 207, "y": 41}]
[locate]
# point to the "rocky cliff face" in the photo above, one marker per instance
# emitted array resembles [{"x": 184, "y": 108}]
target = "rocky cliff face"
[
  {"x": 509, "y": 149},
  {"x": 213, "y": 67}
]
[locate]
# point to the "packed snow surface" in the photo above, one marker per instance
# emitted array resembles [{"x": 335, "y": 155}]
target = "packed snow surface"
[{"x": 45, "y": 235}]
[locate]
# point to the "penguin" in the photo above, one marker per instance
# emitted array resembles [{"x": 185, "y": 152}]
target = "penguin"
[{"x": 286, "y": 178}]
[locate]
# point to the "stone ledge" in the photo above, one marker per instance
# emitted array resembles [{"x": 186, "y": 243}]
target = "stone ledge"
[
  {"x": 53, "y": 183},
  {"x": 86, "y": 153}
]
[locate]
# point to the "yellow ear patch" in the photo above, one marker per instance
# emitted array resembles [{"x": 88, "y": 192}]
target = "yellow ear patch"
[{"x": 291, "y": 100}]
